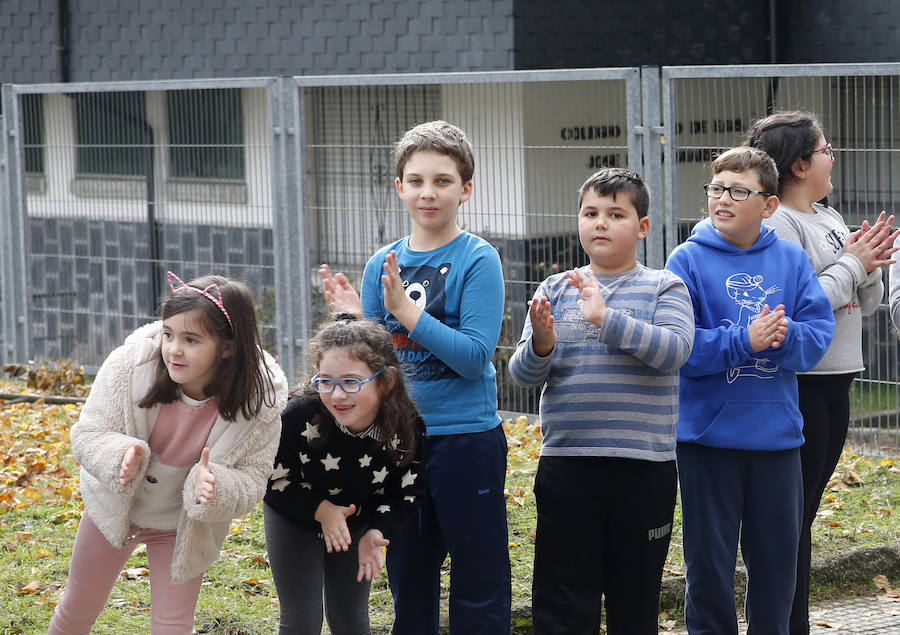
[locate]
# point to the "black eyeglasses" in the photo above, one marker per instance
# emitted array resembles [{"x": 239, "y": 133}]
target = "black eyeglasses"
[
  {"x": 736, "y": 192},
  {"x": 325, "y": 386}
]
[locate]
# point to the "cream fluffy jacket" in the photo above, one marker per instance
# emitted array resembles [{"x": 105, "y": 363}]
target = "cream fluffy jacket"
[{"x": 241, "y": 458}]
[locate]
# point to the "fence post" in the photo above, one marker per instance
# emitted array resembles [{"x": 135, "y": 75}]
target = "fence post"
[
  {"x": 669, "y": 165},
  {"x": 14, "y": 288},
  {"x": 651, "y": 136},
  {"x": 291, "y": 240}
]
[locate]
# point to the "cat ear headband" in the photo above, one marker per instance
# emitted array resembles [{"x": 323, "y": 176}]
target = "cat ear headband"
[{"x": 212, "y": 292}]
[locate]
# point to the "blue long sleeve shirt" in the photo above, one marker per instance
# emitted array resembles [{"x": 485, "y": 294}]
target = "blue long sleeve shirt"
[{"x": 448, "y": 355}]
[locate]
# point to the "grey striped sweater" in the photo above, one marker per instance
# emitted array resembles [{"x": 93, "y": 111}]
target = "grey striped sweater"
[{"x": 611, "y": 390}]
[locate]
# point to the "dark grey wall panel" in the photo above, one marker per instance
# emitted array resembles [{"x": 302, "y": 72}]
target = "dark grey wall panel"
[
  {"x": 177, "y": 39},
  {"x": 839, "y": 31},
  {"x": 28, "y": 41},
  {"x": 584, "y": 33}
]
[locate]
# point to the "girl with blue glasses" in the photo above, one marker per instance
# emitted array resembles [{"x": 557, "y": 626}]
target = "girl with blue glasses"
[{"x": 349, "y": 472}]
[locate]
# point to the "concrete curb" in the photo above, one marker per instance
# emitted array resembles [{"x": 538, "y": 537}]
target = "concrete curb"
[{"x": 857, "y": 565}]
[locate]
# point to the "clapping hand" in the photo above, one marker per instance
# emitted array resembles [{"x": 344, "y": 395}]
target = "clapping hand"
[
  {"x": 592, "y": 303},
  {"x": 340, "y": 296},
  {"x": 333, "y": 519},
  {"x": 204, "y": 480},
  {"x": 768, "y": 329},
  {"x": 131, "y": 464},
  {"x": 371, "y": 554}
]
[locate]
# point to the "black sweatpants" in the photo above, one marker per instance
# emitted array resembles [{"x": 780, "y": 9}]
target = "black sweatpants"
[
  {"x": 825, "y": 406},
  {"x": 603, "y": 531}
]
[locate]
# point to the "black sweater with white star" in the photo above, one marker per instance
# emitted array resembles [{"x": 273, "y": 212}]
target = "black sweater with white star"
[{"x": 344, "y": 469}]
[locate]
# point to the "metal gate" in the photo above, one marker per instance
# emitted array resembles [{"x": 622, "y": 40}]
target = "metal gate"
[{"x": 105, "y": 186}]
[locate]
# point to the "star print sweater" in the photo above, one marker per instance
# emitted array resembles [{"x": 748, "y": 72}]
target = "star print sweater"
[
  {"x": 344, "y": 469},
  {"x": 730, "y": 396}
]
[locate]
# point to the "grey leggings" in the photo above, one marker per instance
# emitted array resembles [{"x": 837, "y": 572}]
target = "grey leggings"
[{"x": 302, "y": 570}]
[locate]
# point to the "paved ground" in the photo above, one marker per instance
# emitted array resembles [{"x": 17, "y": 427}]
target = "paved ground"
[
  {"x": 857, "y": 615},
  {"x": 853, "y": 616}
]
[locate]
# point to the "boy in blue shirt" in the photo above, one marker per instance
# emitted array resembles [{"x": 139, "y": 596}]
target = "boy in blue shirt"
[
  {"x": 440, "y": 292},
  {"x": 761, "y": 316},
  {"x": 605, "y": 341}
]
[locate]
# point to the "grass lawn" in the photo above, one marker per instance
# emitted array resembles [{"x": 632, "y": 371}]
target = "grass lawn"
[{"x": 40, "y": 508}]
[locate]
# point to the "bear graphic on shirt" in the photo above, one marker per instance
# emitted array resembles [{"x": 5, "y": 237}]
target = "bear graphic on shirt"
[{"x": 425, "y": 286}]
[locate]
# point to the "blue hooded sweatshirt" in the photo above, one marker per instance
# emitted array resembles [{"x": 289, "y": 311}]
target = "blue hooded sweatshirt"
[{"x": 730, "y": 396}]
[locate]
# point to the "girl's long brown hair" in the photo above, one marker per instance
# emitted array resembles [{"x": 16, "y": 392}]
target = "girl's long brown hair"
[
  {"x": 243, "y": 382},
  {"x": 371, "y": 344}
]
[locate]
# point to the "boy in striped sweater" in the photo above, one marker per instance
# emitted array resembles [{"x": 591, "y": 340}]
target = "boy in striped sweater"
[{"x": 605, "y": 342}]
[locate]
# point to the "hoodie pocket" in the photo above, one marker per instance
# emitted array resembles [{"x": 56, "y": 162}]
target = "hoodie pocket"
[{"x": 754, "y": 425}]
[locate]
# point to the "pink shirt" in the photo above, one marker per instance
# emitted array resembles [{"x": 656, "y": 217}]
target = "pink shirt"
[{"x": 181, "y": 430}]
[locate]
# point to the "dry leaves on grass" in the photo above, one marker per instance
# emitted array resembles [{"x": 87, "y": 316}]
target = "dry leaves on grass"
[
  {"x": 133, "y": 573},
  {"x": 523, "y": 437},
  {"x": 62, "y": 377},
  {"x": 882, "y": 583},
  {"x": 844, "y": 479},
  {"x": 35, "y": 465}
]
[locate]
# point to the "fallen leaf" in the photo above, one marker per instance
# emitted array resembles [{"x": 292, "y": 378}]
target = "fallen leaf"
[
  {"x": 32, "y": 587},
  {"x": 851, "y": 478}
]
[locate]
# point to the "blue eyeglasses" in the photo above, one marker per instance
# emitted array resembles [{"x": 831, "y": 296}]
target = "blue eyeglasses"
[{"x": 325, "y": 386}]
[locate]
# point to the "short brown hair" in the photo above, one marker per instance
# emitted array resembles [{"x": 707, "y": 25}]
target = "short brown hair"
[
  {"x": 436, "y": 136},
  {"x": 612, "y": 181},
  {"x": 745, "y": 158}
]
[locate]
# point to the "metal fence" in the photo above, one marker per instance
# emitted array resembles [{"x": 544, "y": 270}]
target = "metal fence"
[
  {"x": 708, "y": 109},
  {"x": 105, "y": 186},
  {"x": 112, "y": 184},
  {"x": 531, "y": 153}
]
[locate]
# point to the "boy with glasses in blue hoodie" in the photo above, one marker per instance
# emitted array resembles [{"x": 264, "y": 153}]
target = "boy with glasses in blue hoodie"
[{"x": 761, "y": 316}]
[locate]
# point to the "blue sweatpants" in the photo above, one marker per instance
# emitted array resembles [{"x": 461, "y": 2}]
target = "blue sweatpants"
[
  {"x": 464, "y": 516},
  {"x": 751, "y": 496}
]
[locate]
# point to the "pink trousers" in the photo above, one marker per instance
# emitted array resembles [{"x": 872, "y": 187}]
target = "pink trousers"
[{"x": 93, "y": 571}]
